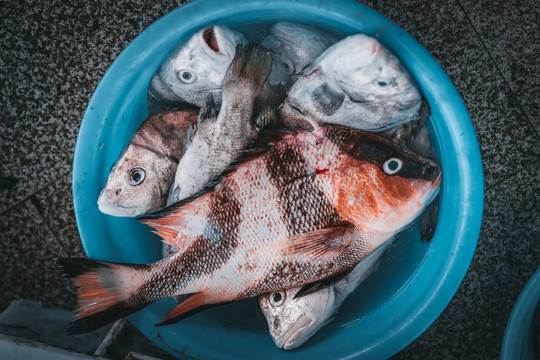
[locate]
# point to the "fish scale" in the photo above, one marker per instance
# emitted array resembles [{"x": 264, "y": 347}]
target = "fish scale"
[{"x": 224, "y": 254}]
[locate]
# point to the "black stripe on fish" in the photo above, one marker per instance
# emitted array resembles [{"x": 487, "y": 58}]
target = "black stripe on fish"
[
  {"x": 366, "y": 146},
  {"x": 168, "y": 136},
  {"x": 304, "y": 205},
  {"x": 326, "y": 100}
]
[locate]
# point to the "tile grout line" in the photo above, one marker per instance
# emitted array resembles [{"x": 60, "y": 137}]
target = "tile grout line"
[
  {"x": 512, "y": 92},
  {"x": 37, "y": 205},
  {"x": 20, "y": 202},
  {"x": 511, "y": 176}
]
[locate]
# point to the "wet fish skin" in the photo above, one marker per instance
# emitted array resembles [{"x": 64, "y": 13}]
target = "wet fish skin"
[
  {"x": 140, "y": 179},
  {"x": 194, "y": 70},
  {"x": 292, "y": 322},
  {"x": 207, "y": 54},
  {"x": 265, "y": 226},
  {"x": 356, "y": 82},
  {"x": 296, "y": 45},
  {"x": 220, "y": 138}
]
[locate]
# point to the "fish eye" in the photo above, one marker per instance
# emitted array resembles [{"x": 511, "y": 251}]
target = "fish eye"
[
  {"x": 136, "y": 176},
  {"x": 186, "y": 76},
  {"x": 277, "y": 298},
  {"x": 392, "y": 166},
  {"x": 383, "y": 82}
]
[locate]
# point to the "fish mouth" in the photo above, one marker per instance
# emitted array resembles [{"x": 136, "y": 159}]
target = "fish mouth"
[
  {"x": 112, "y": 209},
  {"x": 294, "y": 337}
]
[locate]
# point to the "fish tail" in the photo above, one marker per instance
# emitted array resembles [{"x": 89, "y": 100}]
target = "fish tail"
[
  {"x": 105, "y": 291},
  {"x": 251, "y": 64}
]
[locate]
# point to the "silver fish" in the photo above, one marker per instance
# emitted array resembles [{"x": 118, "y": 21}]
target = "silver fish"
[
  {"x": 139, "y": 181},
  {"x": 196, "y": 68},
  {"x": 296, "y": 45},
  {"x": 219, "y": 139},
  {"x": 292, "y": 321},
  {"x": 356, "y": 82}
]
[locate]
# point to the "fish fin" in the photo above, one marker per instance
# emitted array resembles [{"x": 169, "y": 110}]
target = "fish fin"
[
  {"x": 322, "y": 245},
  {"x": 209, "y": 110},
  {"x": 327, "y": 100},
  {"x": 251, "y": 64},
  {"x": 192, "y": 305},
  {"x": 268, "y": 118},
  {"x": 323, "y": 283},
  {"x": 192, "y": 129},
  {"x": 428, "y": 220},
  {"x": 424, "y": 113},
  {"x": 103, "y": 297},
  {"x": 167, "y": 210}
]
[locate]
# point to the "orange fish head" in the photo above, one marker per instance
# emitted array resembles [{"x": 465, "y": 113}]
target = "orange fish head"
[{"x": 381, "y": 187}]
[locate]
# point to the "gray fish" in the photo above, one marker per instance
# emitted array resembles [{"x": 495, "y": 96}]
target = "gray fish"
[
  {"x": 139, "y": 181},
  {"x": 296, "y": 45},
  {"x": 196, "y": 69},
  {"x": 219, "y": 139},
  {"x": 292, "y": 321},
  {"x": 356, "y": 83}
]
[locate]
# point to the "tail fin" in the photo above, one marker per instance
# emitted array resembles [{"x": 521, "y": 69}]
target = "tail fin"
[
  {"x": 103, "y": 294},
  {"x": 251, "y": 64}
]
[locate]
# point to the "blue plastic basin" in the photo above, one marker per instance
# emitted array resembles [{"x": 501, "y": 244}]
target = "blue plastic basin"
[
  {"x": 519, "y": 338},
  {"x": 386, "y": 313}
]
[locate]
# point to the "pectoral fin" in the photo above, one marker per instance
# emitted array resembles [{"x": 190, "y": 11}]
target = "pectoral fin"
[
  {"x": 192, "y": 305},
  {"x": 322, "y": 245},
  {"x": 323, "y": 283}
]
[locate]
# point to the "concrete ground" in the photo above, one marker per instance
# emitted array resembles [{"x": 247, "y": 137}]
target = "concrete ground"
[{"x": 53, "y": 54}]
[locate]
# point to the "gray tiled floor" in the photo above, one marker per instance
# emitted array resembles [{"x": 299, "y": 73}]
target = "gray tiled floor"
[{"x": 53, "y": 54}]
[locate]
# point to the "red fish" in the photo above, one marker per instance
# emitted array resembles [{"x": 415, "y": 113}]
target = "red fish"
[{"x": 276, "y": 221}]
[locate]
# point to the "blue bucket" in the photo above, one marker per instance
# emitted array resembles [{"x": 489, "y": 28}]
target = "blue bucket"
[
  {"x": 519, "y": 341},
  {"x": 396, "y": 304}
]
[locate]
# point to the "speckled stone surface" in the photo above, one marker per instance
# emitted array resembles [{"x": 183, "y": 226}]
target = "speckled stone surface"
[
  {"x": 511, "y": 30},
  {"x": 28, "y": 249},
  {"x": 55, "y": 204},
  {"x": 54, "y": 53}
]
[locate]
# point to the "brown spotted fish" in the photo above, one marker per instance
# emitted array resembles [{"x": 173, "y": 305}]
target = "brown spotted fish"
[
  {"x": 265, "y": 226},
  {"x": 139, "y": 181}
]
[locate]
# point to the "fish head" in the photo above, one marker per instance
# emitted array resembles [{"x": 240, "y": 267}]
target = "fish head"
[
  {"x": 196, "y": 68},
  {"x": 291, "y": 322},
  {"x": 379, "y": 186},
  {"x": 138, "y": 183},
  {"x": 300, "y": 110},
  {"x": 369, "y": 73}
]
